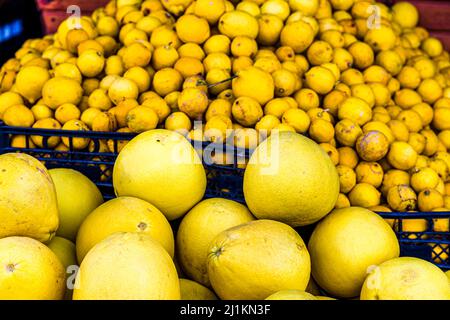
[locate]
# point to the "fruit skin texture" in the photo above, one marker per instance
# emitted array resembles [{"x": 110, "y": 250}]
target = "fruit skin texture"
[
  {"x": 26, "y": 209},
  {"x": 127, "y": 266},
  {"x": 191, "y": 290},
  {"x": 59, "y": 91},
  {"x": 77, "y": 196},
  {"x": 161, "y": 167},
  {"x": 242, "y": 266},
  {"x": 372, "y": 146},
  {"x": 199, "y": 227},
  {"x": 254, "y": 83},
  {"x": 291, "y": 295},
  {"x": 271, "y": 181},
  {"x": 345, "y": 244},
  {"x": 29, "y": 271},
  {"x": 406, "y": 278},
  {"x": 124, "y": 214}
]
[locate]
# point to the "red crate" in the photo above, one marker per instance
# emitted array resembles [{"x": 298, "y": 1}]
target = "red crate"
[{"x": 85, "y": 5}]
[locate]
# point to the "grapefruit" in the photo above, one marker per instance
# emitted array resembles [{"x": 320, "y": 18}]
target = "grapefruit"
[
  {"x": 257, "y": 259},
  {"x": 199, "y": 227},
  {"x": 406, "y": 278},
  {"x": 163, "y": 168},
  {"x": 290, "y": 179},
  {"x": 124, "y": 214},
  {"x": 28, "y": 205},
  {"x": 191, "y": 290},
  {"x": 345, "y": 244},
  {"x": 127, "y": 266},
  {"x": 77, "y": 196},
  {"x": 29, "y": 271}
]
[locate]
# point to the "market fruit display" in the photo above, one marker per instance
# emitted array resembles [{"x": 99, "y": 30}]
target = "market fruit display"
[
  {"x": 231, "y": 72},
  {"x": 342, "y": 120}
]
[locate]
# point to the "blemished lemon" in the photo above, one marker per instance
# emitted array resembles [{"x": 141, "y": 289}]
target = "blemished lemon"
[
  {"x": 192, "y": 250},
  {"x": 369, "y": 172},
  {"x": 372, "y": 146},
  {"x": 77, "y": 197},
  {"x": 239, "y": 252},
  {"x": 115, "y": 267},
  {"x": 273, "y": 157},
  {"x": 402, "y": 198},
  {"x": 254, "y": 83},
  {"x": 238, "y": 23}
]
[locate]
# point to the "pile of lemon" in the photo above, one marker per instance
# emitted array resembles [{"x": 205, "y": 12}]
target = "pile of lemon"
[{"x": 359, "y": 78}]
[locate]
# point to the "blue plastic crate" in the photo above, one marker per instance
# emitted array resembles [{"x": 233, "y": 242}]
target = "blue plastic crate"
[{"x": 225, "y": 181}]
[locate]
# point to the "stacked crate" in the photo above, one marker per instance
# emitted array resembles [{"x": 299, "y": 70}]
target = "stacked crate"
[{"x": 53, "y": 12}]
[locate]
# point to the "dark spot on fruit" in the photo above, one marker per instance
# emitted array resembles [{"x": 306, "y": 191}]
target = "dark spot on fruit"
[{"x": 142, "y": 226}]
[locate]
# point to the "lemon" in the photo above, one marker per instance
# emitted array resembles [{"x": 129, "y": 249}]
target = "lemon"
[
  {"x": 348, "y": 157},
  {"x": 75, "y": 143},
  {"x": 210, "y": 10},
  {"x": 30, "y": 271},
  {"x": 217, "y": 43},
  {"x": 43, "y": 142},
  {"x": 191, "y": 28},
  {"x": 167, "y": 80},
  {"x": 347, "y": 132},
  {"x": 372, "y": 146},
  {"x": 238, "y": 23},
  {"x": 271, "y": 156},
  {"x": 159, "y": 105},
  {"x": 342, "y": 202},
  {"x": 421, "y": 280},
  {"x": 178, "y": 121},
  {"x": 141, "y": 119},
  {"x": 122, "y": 89},
  {"x": 297, "y": 35},
  {"x": 362, "y": 53},
  {"x": 91, "y": 63},
  {"x": 191, "y": 290},
  {"x": 430, "y": 90},
  {"x": 356, "y": 110},
  {"x": 307, "y": 99},
  {"x": 9, "y": 99},
  {"x": 347, "y": 178},
  {"x": 405, "y": 14},
  {"x": 308, "y": 8},
  {"x": 105, "y": 122},
  {"x": 29, "y": 209},
  {"x": 114, "y": 268},
  {"x": 18, "y": 116},
  {"x": 247, "y": 111},
  {"x": 254, "y": 83},
  {"x": 140, "y": 76},
  {"x": 380, "y": 39},
  {"x": 67, "y": 112},
  {"x": 193, "y": 102},
  {"x": 291, "y": 295},
  {"x": 321, "y": 131},
  {"x": 297, "y": 119},
  {"x": 270, "y": 28},
  {"x": 430, "y": 199},
  {"x": 58, "y": 91},
  {"x": 239, "y": 252},
  {"x": 369, "y": 172},
  {"x": 320, "y": 79},
  {"x": 345, "y": 244},
  {"x": 432, "y": 46},
  {"x": 68, "y": 70},
  {"x": 364, "y": 195},
  {"x": 402, "y": 198},
  {"x": 136, "y": 55},
  {"x": 30, "y": 81}
]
